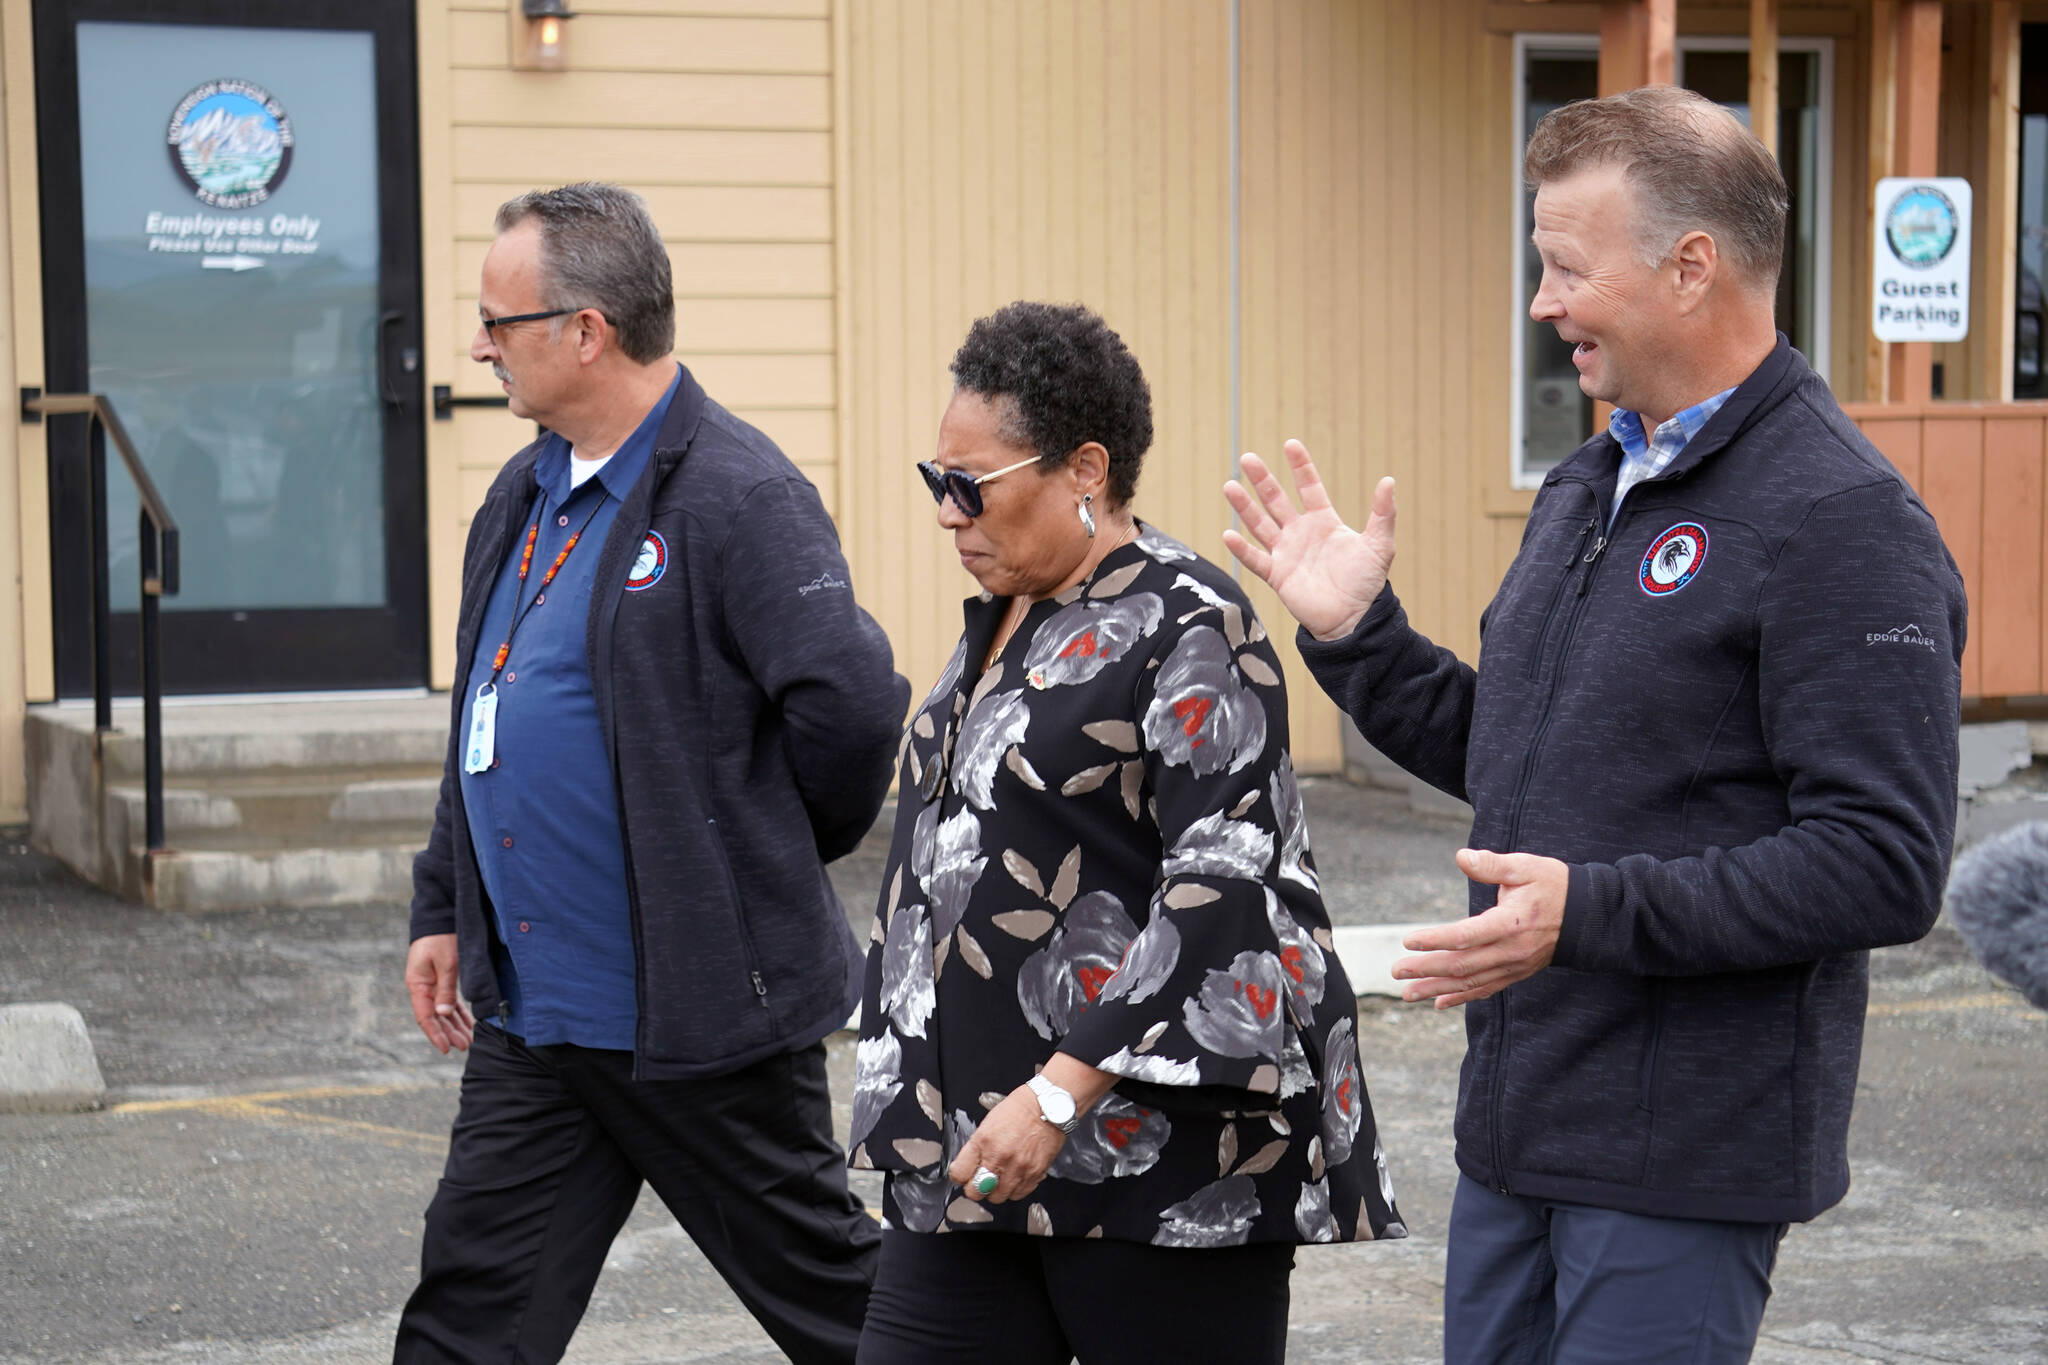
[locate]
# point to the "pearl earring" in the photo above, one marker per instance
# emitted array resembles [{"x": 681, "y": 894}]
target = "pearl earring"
[{"x": 1087, "y": 517}]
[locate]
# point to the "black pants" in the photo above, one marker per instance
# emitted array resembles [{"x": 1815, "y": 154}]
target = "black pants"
[
  {"x": 993, "y": 1298},
  {"x": 549, "y": 1149}
]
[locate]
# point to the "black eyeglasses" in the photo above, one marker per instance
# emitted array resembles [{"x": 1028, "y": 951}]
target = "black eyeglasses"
[
  {"x": 490, "y": 324},
  {"x": 964, "y": 489}
]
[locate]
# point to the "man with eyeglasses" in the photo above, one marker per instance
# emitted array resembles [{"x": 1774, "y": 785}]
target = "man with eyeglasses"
[{"x": 670, "y": 714}]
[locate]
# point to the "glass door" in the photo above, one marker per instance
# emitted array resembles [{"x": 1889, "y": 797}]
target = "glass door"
[{"x": 231, "y": 256}]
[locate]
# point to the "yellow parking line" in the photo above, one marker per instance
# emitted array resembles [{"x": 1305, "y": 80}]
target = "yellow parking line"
[
  {"x": 376, "y": 1132},
  {"x": 317, "y": 1092},
  {"x": 1989, "y": 1000},
  {"x": 266, "y": 1108}
]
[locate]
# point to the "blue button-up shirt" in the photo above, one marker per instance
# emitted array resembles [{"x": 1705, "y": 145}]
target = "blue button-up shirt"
[
  {"x": 1645, "y": 457},
  {"x": 544, "y": 817}
]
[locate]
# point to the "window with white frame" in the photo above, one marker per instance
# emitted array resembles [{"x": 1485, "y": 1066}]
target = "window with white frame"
[{"x": 1551, "y": 417}]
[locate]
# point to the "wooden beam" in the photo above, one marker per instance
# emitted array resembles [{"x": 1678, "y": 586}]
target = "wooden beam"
[
  {"x": 1881, "y": 40},
  {"x": 1623, "y": 45},
  {"x": 1917, "y": 153},
  {"x": 1660, "y": 61},
  {"x": 1919, "y": 87},
  {"x": 1839, "y": 20},
  {"x": 1763, "y": 72},
  {"x": 1997, "y": 210},
  {"x": 1638, "y": 44}
]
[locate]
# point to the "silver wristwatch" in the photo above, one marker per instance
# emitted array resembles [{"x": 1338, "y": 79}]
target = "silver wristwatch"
[{"x": 1055, "y": 1105}]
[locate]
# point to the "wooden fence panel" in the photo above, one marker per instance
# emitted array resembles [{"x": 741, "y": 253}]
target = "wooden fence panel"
[
  {"x": 1900, "y": 442},
  {"x": 1982, "y": 469},
  {"x": 1952, "y": 486},
  {"x": 2010, "y": 628}
]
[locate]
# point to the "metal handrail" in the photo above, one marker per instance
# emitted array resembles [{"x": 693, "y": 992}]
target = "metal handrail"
[{"x": 157, "y": 532}]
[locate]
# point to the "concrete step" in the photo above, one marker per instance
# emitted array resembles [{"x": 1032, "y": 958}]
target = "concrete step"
[
  {"x": 369, "y": 834},
  {"x": 220, "y": 879},
  {"x": 265, "y": 804},
  {"x": 306, "y": 807},
  {"x": 276, "y": 737}
]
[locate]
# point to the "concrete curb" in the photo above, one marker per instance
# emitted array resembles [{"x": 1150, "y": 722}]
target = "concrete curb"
[
  {"x": 46, "y": 1061},
  {"x": 1369, "y": 952}
]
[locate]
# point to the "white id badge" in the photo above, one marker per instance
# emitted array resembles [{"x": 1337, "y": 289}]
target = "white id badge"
[{"x": 483, "y": 730}]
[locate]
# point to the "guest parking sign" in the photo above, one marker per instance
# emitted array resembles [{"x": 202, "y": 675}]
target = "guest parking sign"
[{"x": 1920, "y": 290}]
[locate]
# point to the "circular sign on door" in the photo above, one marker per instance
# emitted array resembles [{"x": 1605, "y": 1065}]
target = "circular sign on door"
[{"x": 231, "y": 143}]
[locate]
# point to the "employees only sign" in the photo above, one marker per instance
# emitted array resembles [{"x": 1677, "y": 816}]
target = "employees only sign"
[{"x": 1920, "y": 285}]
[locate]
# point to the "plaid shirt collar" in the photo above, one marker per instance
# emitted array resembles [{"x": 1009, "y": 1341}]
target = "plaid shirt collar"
[{"x": 1645, "y": 457}]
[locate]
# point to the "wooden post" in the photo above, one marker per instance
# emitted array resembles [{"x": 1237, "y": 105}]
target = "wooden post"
[
  {"x": 1660, "y": 56},
  {"x": 1882, "y": 40},
  {"x": 1638, "y": 44},
  {"x": 1997, "y": 210},
  {"x": 1763, "y": 72},
  {"x": 1918, "y": 154}
]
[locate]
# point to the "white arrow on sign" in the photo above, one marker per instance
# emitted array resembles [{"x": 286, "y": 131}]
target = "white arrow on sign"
[{"x": 235, "y": 263}]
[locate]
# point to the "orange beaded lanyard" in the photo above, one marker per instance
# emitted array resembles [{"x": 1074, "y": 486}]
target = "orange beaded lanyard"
[{"x": 519, "y": 614}]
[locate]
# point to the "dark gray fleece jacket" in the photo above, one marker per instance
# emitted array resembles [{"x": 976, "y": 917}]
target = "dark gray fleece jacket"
[
  {"x": 751, "y": 714},
  {"x": 1734, "y": 714}
]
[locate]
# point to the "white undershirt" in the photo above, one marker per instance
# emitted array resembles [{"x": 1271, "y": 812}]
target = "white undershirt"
[{"x": 581, "y": 469}]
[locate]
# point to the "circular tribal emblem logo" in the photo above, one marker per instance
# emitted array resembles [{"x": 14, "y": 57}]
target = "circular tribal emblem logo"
[
  {"x": 1921, "y": 227},
  {"x": 650, "y": 564},
  {"x": 1674, "y": 558},
  {"x": 231, "y": 143}
]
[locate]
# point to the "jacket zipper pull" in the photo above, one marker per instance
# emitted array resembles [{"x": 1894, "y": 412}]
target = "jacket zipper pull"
[
  {"x": 1580, "y": 543},
  {"x": 760, "y": 988},
  {"x": 1592, "y": 563}
]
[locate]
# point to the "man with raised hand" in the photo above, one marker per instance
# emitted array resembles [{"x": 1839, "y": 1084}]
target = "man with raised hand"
[{"x": 1710, "y": 748}]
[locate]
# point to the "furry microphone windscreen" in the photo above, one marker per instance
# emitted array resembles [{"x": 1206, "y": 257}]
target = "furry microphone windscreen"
[{"x": 1998, "y": 896}]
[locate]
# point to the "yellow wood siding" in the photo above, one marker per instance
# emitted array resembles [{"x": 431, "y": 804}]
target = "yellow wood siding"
[
  {"x": 1378, "y": 230},
  {"x": 677, "y": 38},
  {"x": 24, "y": 536},
  {"x": 720, "y": 113},
  {"x": 991, "y": 151}
]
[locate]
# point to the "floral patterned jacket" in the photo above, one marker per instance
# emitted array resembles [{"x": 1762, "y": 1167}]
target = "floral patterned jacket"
[{"x": 1099, "y": 848}]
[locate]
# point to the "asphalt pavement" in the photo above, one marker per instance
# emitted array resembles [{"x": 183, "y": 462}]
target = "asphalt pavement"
[{"x": 275, "y": 1126}]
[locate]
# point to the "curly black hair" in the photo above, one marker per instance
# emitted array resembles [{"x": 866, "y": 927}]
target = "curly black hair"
[{"x": 1070, "y": 379}]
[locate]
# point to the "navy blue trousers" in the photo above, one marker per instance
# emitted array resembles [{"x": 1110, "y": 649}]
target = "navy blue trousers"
[{"x": 1542, "y": 1282}]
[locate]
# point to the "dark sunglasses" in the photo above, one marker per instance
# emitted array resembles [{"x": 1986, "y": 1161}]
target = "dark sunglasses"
[{"x": 964, "y": 489}]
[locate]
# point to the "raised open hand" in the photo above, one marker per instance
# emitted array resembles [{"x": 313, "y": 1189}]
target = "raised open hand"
[{"x": 1325, "y": 573}]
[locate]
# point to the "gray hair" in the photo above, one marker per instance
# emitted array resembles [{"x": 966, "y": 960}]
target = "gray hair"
[
  {"x": 600, "y": 249},
  {"x": 1690, "y": 164}
]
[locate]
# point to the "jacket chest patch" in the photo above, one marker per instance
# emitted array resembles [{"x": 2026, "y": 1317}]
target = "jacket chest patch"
[
  {"x": 1675, "y": 558},
  {"x": 650, "y": 564}
]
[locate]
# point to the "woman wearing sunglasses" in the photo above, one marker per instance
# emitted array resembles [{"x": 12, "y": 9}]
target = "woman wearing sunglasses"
[{"x": 1104, "y": 1039}]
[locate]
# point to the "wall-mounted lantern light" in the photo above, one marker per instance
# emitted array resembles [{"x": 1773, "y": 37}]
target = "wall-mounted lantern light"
[{"x": 540, "y": 31}]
